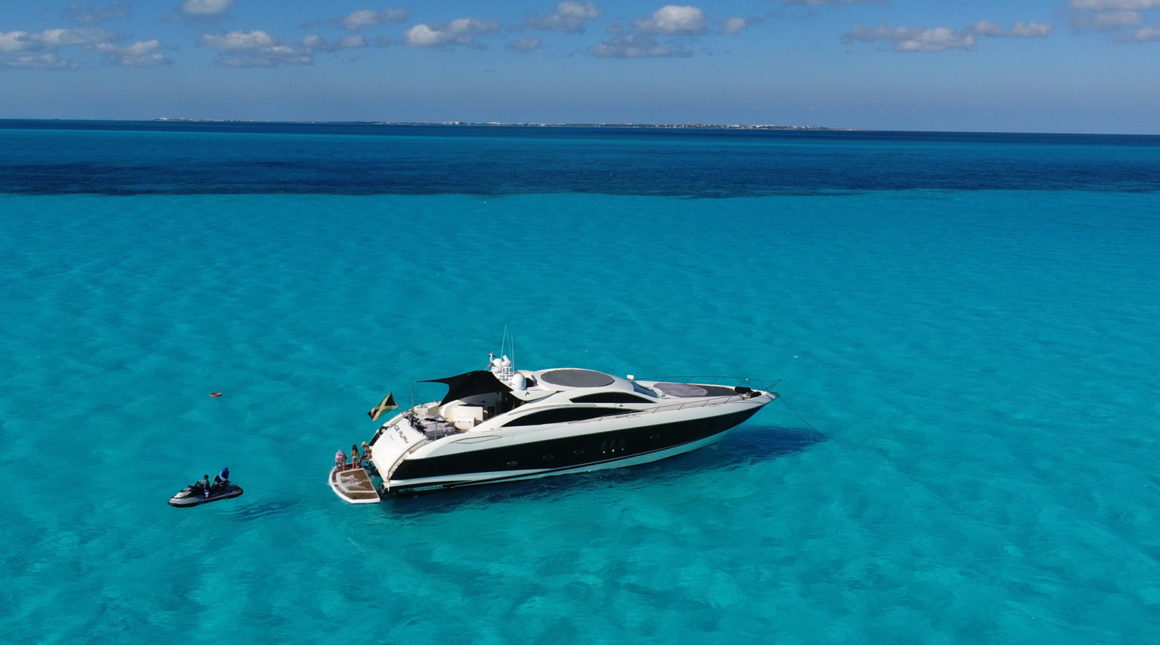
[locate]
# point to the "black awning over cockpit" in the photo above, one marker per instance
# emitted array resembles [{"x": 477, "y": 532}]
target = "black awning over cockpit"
[{"x": 470, "y": 384}]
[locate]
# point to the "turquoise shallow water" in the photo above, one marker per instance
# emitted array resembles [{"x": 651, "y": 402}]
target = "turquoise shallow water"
[{"x": 980, "y": 367}]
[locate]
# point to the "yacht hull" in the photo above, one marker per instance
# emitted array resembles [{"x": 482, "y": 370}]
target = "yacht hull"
[{"x": 585, "y": 452}]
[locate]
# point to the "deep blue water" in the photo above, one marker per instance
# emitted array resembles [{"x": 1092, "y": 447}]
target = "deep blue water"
[
  {"x": 966, "y": 326},
  {"x": 131, "y": 158}
]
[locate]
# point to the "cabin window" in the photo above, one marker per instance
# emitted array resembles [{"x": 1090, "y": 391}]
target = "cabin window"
[
  {"x": 610, "y": 397},
  {"x": 562, "y": 415},
  {"x": 613, "y": 445}
]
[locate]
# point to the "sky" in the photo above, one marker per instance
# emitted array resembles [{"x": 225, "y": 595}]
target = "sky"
[{"x": 952, "y": 65}]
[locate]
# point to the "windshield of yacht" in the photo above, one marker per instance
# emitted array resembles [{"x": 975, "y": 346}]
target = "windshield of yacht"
[{"x": 643, "y": 390}]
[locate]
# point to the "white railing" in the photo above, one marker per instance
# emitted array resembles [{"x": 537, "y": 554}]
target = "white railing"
[{"x": 687, "y": 405}]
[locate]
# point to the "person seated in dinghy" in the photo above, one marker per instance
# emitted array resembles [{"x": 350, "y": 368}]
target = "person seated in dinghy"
[
  {"x": 221, "y": 481},
  {"x": 201, "y": 486}
]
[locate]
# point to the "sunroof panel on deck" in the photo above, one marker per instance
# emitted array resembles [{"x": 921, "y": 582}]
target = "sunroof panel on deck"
[{"x": 576, "y": 378}]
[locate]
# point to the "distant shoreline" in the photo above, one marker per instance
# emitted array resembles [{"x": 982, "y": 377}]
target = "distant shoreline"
[
  {"x": 369, "y": 127},
  {"x": 518, "y": 124}
]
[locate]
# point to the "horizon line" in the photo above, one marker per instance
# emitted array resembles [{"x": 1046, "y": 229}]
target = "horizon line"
[{"x": 550, "y": 124}]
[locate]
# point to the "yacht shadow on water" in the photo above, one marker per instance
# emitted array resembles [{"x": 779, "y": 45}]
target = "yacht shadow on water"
[{"x": 742, "y": 447}]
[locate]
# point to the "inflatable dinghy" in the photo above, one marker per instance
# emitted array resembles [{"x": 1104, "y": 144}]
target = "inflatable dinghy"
[{"x": 188, "y": 497}]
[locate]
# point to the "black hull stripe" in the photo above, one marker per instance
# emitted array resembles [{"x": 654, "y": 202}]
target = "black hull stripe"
[
  {"x": 570, "y": 452},
  {"x": 407, "y": 489}
]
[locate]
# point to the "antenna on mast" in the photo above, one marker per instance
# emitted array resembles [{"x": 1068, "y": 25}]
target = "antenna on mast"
[
  {"x": 507, "y": 346},
  {"x": 503, "y": 366}
]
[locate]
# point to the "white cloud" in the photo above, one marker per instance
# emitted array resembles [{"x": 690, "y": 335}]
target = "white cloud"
[
  {"x": 937, "y": 39},
  {"x": 570, "y": 17},
  {"x": 987, "y": 28},
  {"x": 525, "y": 44},
  {"x": 41, "y": 61},
  {"x": 914, "y": 39},
  {"x": 206, "y": 7},
  {"x": 259, "y": 48},
  {"x": 367, "y": 18},
  {"x": 635, "y": 45},
  {"x": 351, "y": 42},
  {"x": 1107, "y": 20},
  {"x": 461, "y": 31},
  {"x": 670, "y": 22},
  {"x": 423, "y": 36},
  {"x": 1019, "y": 30},
  {"x": 240, "y": 40},
  {"x": 673, "y": 19},
  {"x": 270, "y": 57},
  {"x": 1146, "y": 35},
  {"x": 88, "y": 14},
  {"x": 472, "y": 26},
  {"x": 1115, "y": 5},
  {"x": 39, "y": 50},
  {"x": 136, "y": 49},
  {"x": 734, "y": 26},
  {"x": 314, "y": 44},
  {"x": 359, "y": 19},
  {"x": 50, "y": 39},
  {"x": 577, "y": 10},
  {"x": 1121, "y": 20},
  {"x": 53, "y": 38},
  {"x": 1031, "y": 30},
  {"x": 16, "y": 41},
  {"x": 140, "y": 54}
]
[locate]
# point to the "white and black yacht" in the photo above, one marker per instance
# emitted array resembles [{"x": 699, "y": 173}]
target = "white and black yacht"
[{"x": 501, "y": 424}]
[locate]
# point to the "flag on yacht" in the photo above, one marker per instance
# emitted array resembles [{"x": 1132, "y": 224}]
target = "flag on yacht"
[{"x": 388, "y": 403}]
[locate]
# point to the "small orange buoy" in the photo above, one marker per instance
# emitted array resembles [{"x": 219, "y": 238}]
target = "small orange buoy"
[{"x": 215, "y": 394}]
